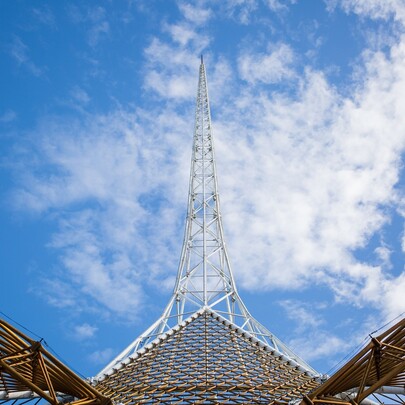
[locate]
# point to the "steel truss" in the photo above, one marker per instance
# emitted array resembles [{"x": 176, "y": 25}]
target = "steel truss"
[
  {"x": 204, "y": 277},
  {"x": 206, "y": 347}
]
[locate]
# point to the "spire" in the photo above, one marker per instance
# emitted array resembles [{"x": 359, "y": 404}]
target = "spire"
[{"x": 204, "y": 277}]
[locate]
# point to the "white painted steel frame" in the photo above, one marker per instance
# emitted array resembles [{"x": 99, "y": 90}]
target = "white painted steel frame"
[{"x": 204, "y": 277}]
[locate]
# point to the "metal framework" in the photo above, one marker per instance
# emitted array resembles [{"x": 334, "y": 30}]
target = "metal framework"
[
  {"x": 207, "y": 360},
  {"x": 378, "y": 370},
  {"x": 204, "y": 277},
  {"x": 28, "y": 371},
  {"x": 206, "y": 347}
]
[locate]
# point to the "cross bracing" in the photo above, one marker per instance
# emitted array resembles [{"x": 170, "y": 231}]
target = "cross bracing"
[
  {"x": 204, "y": 277},
  {"x": 171, "y": 370},
  {"x": 206, "y": 347},
  {"x": 207, "y": 359}
]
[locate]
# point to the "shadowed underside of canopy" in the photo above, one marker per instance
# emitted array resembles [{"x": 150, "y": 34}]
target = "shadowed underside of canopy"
[
  {"x": 378, "y": 370},
  {"x": 28, "y": 371}
]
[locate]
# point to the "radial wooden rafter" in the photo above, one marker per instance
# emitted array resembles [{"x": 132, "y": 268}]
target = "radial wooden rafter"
[
  {"x": 379, "y": 368},
  {"x": 27, "y": 370}
]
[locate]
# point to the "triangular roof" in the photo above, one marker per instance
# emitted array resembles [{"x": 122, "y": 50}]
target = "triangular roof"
[{"x": 206, "y": 359}]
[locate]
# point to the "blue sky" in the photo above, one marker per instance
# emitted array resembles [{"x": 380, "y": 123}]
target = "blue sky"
[{"x": 96, "y": 123}]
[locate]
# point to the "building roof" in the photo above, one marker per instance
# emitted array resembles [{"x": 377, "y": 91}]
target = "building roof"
[{"x": 207, "y": 359}]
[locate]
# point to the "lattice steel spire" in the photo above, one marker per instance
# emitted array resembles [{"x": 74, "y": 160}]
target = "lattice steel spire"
[{"x": 204, "y": 278}]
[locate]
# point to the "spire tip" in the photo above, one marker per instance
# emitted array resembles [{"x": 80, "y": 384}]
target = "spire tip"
[{"x": 202, "y": 59}]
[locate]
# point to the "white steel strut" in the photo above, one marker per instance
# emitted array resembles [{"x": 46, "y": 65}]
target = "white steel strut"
[{"x": 204, "y": 277}]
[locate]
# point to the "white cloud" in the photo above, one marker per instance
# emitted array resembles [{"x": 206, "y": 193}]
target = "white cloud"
[
  {"x": 174, "y": 86},
  {"x": 383, "y": 9},
  {"x": 181, "y": 33},
  {"x": 277, "y": 5},
  {"x": 310, "y": 178},
  {"x": 384, "y": 253},
  {"x": 320, "y": 345},
  {"x": 301, "y": 312},
  {"x": 391, "y": 293},
  {"x": 125, "y": 172},
  {"x": 79, "y": 95},
  {"x": 94, "y": 20},
  {"x": 8, "y": 116},
  {"x": 403, "y": 238},
  {"x": 171, "y": 70},
  {"x": 99, "y": 30},
  {"x": 171, "y": 66},
  {"x": 101, "y": 356},
  {"x": 240, "y": 10},
  {"x": 19, "y": 51},
  {"x": 84, "y": 331},
  {"x": 45, "y": 15},
  {"x": 58, "y": 294},
  {"x": 109, "y": 279},
  {"x": 100, "y": 27},
  {"x": 306, "y": 178},
  {"x": 315, "y": 337},
  {"x": 195, "y": 14},
  {"x": 267, "y": 68}
]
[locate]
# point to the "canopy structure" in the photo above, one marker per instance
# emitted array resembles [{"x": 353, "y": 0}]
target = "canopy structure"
[
  {"x": 188, "y": 365},
  {"x": 204, "y": 277},
  {"x": 206, "y": 347},
  {"x": 378, "y": 370},
  {"x": 207, "y": 360},
  {"x": 28, "y": 371}
]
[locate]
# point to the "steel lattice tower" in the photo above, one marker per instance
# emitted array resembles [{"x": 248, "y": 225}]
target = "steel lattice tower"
[
  {"x": 204, "y": 291},
  {"x": 217, "y": 354}
]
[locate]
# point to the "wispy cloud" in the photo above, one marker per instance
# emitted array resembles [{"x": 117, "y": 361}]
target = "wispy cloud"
[
  {"x": 241, "y": 11},
  {"x": 84, "y": 331},
  {"x": 194, "y": 13},
  {"x": 125, "y": 171},
  {"x": 267, "y": 68},
  {"x": 301, "y": 312},
  {"x": 79, "y": 95},
  {"x": 375, "y": 9},
  {"x": 320, "y": 345},
  {"x": 101, "y": 356},
  {"x": 8, "y": 116},
  {"x": 45, "y": 15},
  {"x": 20, "y": 52},
  {"x": 95, "y": 21},
  {"x": 324, "y": 173},
  {"x": 99, "y": 30},
  {"x": 171, "y": 70},
  {"x": 181, "y": 33},
  {"x": 315, "y": 337},
  {"x": 277, "y": 5},
  {"x": 306, "y": 177}
]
